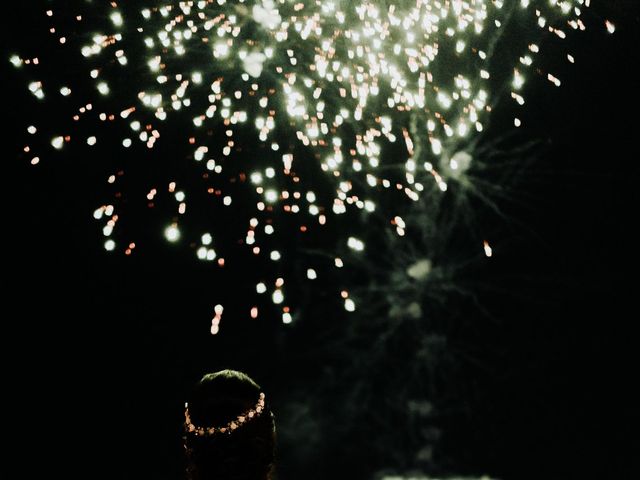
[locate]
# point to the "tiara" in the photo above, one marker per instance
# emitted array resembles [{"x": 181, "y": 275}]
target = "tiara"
[{"x": 229, "y": 427}]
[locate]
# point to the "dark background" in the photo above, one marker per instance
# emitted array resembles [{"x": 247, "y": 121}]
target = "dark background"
[{"x": 99, "y": 350}]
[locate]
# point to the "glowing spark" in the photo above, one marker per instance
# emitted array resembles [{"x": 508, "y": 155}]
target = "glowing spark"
[
  {"x": 116, "y": 18},
  {"x": 277, "y": 296},
  {"x": 57, "y": 142},
  {"x": 355, "y": 244},
  {"x": 349, "y": 305},
  {"x": 172, "y": 233},
  {"x": 610, "y": 26},
  {"x": 103, "y": 88},
  {"x": 488, "y": 251},
  {"x": 271, "y": 196},
  {"x": 217, "y": 318},
  {"x": 253, "y": 63}
]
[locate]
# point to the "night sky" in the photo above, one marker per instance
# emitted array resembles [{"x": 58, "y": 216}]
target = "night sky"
[{"x": 100, "y": 349}]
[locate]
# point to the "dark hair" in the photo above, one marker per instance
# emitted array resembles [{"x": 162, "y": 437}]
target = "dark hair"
[{"x": 247, "y": 453}]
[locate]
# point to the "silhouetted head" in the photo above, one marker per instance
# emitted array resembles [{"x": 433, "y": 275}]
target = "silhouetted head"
[{"x": 229, "y": 429}]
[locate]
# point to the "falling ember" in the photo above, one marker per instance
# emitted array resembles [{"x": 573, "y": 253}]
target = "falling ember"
[
  {"x": 349, "y": 305},
  {"x": 278, "y": 296},
  {"x": 172, "y": 233},
  {"x": 488, "y": 251},
  {"x": 57, "y": 142},
  {"x": 355, "y": 244},
  {"x": 611, "y": 28},
  {"x": 215, "y": 321}
]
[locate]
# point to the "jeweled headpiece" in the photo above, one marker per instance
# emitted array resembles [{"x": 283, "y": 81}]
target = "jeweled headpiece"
[{"x": 240, "y": 420}]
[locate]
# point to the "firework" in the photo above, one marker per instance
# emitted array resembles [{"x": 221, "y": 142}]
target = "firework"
[{"x": 290, "y": 114}]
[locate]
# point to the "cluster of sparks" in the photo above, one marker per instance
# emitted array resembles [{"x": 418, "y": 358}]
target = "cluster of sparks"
[{"x": 287, "y": 98}]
